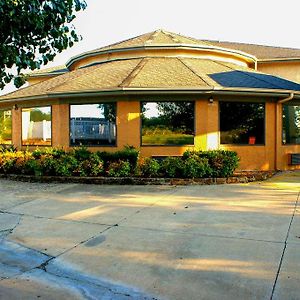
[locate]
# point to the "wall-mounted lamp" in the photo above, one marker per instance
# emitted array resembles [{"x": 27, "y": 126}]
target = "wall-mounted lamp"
[
  {"x": 15, "y": 107},
  {"x": 211, "y": 100}
]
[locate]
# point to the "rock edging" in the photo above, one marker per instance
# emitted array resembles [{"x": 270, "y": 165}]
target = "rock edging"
[{"x": 238, "y": 177}]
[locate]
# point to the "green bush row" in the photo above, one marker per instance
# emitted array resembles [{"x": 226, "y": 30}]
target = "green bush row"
[{"x": 123, "y": 163}]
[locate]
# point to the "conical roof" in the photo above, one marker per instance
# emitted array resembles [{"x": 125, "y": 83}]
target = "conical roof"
[{"x": 156, "y": 38}]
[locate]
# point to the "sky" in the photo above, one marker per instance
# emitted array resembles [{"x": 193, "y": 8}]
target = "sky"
[{"x": 265, "y": 22}]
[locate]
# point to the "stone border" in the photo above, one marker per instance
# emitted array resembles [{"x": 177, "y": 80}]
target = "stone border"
[{"x": 238, "y": 177}]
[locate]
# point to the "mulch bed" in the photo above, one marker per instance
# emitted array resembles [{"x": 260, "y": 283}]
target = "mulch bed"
[{"x": 238, "y": 177}]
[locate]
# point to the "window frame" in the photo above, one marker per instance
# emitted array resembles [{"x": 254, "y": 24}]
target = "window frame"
[
  {"x": 94, "y": 103},
  {"x": 244, "y": 102},
  {"x": 39, "y": 145},
  {"x": 167, "y": 145},
  {"x": 11, "y": 140}
]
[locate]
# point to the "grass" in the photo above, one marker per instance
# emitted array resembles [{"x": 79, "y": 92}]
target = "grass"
[{"x": 168, "y": 139}]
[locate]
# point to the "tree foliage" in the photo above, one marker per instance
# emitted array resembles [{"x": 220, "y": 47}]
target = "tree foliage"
[
  {"x": 32, "y": 32},
  {"x": 179, "y": 113}
]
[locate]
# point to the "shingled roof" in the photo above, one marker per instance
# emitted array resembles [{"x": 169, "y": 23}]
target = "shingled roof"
[
  {"x": 260, "y": 51},
  {"x": 153, "y": 73},
  {"x": 159, "y": 72},
  {"x": 155, "y": 38}
]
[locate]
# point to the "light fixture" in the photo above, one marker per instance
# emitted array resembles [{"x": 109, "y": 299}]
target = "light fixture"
[
  {"x": 15, "y": 107},
  {"x": 210, "y": 100}
]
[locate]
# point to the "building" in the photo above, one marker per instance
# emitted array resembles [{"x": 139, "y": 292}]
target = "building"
[{"x": 165, "y": 93}]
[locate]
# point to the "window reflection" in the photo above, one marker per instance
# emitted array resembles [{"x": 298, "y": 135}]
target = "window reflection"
[
  {"x": 5, "y": 127},
  {"x": 242, "y": 123},
  {"x": 93, "y": 124},
  {"x": 291, "y": 124},
  {"x": 36, "y": 126},
  {"x": 168, "y": 123}
]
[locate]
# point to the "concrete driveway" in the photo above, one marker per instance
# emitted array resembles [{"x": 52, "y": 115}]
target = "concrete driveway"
[{"x": 72, "y": 241}]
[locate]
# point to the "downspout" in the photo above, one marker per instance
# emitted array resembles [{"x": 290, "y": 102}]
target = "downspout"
[
  {"x": 289, "y": 98},
  {"x": 282, "y": 101}
]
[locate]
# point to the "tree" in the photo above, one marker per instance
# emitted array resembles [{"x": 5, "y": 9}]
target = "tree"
[
  {"x": 32, "y": 32},
  {"x": 179, "y": 113}
]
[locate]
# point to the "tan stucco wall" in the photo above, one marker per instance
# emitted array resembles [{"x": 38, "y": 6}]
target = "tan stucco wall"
[
  {"x": 254, "y": 157},
  {"x": 288, "y": 70}
]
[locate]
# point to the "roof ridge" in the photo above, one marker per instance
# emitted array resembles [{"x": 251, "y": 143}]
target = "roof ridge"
[
  {"x": 134, "y": 72},
  {"x": 252, "y": 44},
  {"x": 192, "y": 38},
  {"x": 152, "y": 36},
  {"x": 123, "y": 41},
  {"x": 191, "y": 69}
]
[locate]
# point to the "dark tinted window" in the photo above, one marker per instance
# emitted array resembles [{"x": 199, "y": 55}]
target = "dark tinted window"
[
  {"x": 242, "y": 123},
  {"x": 291, "y": 124}
]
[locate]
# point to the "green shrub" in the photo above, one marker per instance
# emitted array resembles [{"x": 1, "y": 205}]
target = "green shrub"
[
  {"x": 196, "y": 167},
  {"x": 81, "y": 162},
  {"x": 149, "y": 167},
  {"x": 65, "y": 165},
  {"x": 32, "y": 166},
  {"x": 129, "y": 154},
  {"x": 172, "y": 167},
  {"x": 118, "y": 169},
  {"x": 90, "y": 167},
  {"x": 81, "y": 153},
  {"x": 222, "y": 162}
]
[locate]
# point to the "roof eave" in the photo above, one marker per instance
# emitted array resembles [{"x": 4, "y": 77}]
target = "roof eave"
[
  {"x": 163, "y": 91},
  {"x": 279, "y": 59},
  {"x": 248, "y": 56}
]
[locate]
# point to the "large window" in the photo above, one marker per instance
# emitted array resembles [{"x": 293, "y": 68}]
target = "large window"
[
  {"x": 291, "y": 124},
  {"x": 242, "y": 123},
  {"x": 93, "y": 124},
  {"x": 167, "y": 123},
  {"x": 5, "y": 127},
  {"x": 36, "y": 126}
]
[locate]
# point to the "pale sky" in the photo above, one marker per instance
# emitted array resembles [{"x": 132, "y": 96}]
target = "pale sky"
[{"x": 264, "y": 22}]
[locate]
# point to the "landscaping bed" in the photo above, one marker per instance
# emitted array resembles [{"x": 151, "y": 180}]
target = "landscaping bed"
[
  {"x": 240, "y": 177},
  {"x": 123, "y": 167}
]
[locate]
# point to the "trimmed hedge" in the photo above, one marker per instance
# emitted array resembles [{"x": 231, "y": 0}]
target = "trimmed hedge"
[{"x": 123, "y": 163}]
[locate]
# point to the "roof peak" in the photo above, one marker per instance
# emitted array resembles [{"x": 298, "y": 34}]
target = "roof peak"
[{"x": 157, "y": 37}]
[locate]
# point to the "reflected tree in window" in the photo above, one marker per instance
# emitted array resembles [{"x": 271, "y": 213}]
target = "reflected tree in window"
[
  {"x": 291, "y": 124},
  {"x": 168, "y": 123},
  {"x": 242, "y": 123},
  {"x": 5, "y": 127},
  {"x": 93, "y": 124}
]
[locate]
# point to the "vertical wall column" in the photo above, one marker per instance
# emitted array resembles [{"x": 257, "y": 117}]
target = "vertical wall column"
[
  {"x": 270, "y": 135},
  {"x": 17, "y": 128},
  {"x": 128, "y": 124},
  {"x": 60, "y": 125},
  {"x": 206, "y": 125}
]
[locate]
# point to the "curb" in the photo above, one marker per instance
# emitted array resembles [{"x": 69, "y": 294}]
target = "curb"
[{"x": 239, "y": 177}]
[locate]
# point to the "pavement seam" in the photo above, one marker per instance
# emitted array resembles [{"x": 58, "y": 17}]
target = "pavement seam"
[
  {"x": 202, "y": 234},
  {"x": 80, "y": 243},
  {"x": 285, "y": 246},
  {"x": 54, "y": 219}
]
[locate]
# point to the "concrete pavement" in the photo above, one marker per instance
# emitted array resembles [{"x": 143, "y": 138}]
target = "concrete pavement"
[{"x": 72, "y": 241}]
